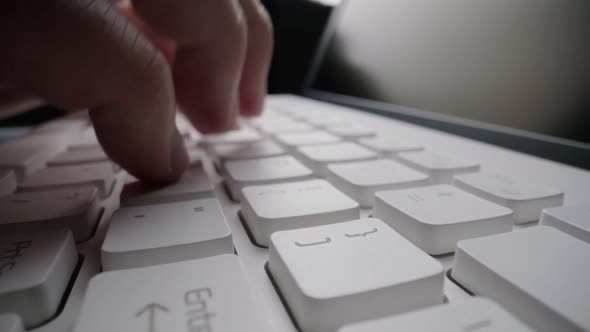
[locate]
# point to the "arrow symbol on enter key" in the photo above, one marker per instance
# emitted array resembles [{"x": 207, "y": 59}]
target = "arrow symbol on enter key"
[{"x": 151, "y": 312}]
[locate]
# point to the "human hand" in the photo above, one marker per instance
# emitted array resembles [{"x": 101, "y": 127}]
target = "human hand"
[{"x": 131, "y": 65}]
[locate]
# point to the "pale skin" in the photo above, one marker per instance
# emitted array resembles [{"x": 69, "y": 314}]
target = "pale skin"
[{"x": 131, "y": 65}]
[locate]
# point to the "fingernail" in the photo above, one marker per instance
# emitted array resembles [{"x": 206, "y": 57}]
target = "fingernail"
[{"x": 179, "y": 157}]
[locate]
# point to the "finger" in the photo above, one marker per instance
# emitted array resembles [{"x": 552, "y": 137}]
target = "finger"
[
  {"x": 211, "y": 49},
  {"x": 258, "y": 55},
  {"x": 78, "y": 54}
]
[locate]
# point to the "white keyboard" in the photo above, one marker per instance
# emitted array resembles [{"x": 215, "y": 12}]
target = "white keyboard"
[{"x": 312, "y": 217}]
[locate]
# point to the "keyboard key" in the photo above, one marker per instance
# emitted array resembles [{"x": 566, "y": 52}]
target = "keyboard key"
[
  {"x": 440, "y": 167},
  {"x": 574, "y": 220},
  {"x": 270, "y": 208},
  {"x": 7, "y": 182},
  {"x": 388, "y": 147},
  {"x": 293, "y": 140},
  {"x": 165, "y": 233},
  {"x": 240, "y": 136},
  {"x": 86, "y": 140},
  {"x": 79, "y": 156},
  {"x": 317, "y": 157},
  {"x": 100, "y": 175},
  {"x": 208, "y": 294},
  {"x": 29, "y": 154},
  {"x": 539, "y": 274},
  {"x": 74, "y": 208},
  {"x": 10, "y": 322},
  {"x": 351, "y": 271},
  {"x": 35, "y": 269},
  {"x": 241, "y": 173},
  {"x": 322, "y": 119},
  {"x": 435, "y": 218},
  {"x": 285, "y": 127},
  {"x": 526, "y": 199},
  {"x": 470, "y": 315},
  {"x": 193, "y": 184},
  {"x": 351, "y": 131},
  {"x": 361, "y": 179},
  {"x": 261, "y": 149}
]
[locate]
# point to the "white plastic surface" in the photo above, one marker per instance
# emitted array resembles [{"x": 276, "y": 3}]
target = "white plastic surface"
[
  {"x": 440, "y": 167},
  {"x": 351, "y": 131},
  {"x": 390, "y": 147},
  {"x": 77, "y": 156},
  {"x": 209, "y": 294},
  {"x": 351, "y": 271},
  {"x": 193, "y": 184},
  {"x": 35, "y": 271},
  {"x": 241, "y": 173},
  {"x": 293, "y": 140},
  {"x": 436, "y": 217},
  {"x": 260, "y": 149},
  {"x": 270, "y": 208},
  {"x": 242, "y": 135},
  {"x": 165, "y": 233},
  {"x": 574, "y": 220},
  {"x": 11, "y": 322},
  {"x": 471, "y": 315},
  {"x": 318, "y": 157},
  {"x": 540, "y": 274},
  {"x": 75, "y": 208},
  {"x": 527, "y": 199},
  {"x": 101, "y": 175},
  {"x": 361, "y": 179}
]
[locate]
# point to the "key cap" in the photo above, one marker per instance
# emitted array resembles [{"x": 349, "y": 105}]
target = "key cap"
[
  {"x": 526, "y": 199},
  {"x": 436, "y": 217},
  {"x": 100, "y": 175},
  {"x": 241, "y": 136},
  {"x": 193, "y": 184},
  {"x": 270, "y": 208},
  {"x": 574, "y": 220},
  {"x": 74, "y": 208},
  {"x": 317, "y": 157},
  {"x": 10, "y": 322},
  {"x": 208, "y": 294},
  {"x": 351, "y": 271},
  {"x": 165, "y": 233},
  {"x": 7, "y": 182},
  {"x": 35, "y": 269},
  {"x": 539, "y": 274},
  {"x": 361, "y": 179},
  {"x": 261, "y": 149},
  {"x": 285, "y": 127},
  {"x": 323, "y": 119},
  {"x": 79, "y": 156},
  {"x": 242, "y": 173},
  {"x": 351, "y": 131},
  {"x": 293, "y": 140},
  {"x": 86, "y": 140},
  {"x": 389, "y": 147},
  {"x": 441, "y": 168},
  {"x": 29, "y": 154},
  {"x": 470, "y": 315}
]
